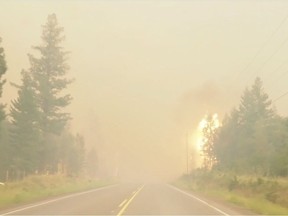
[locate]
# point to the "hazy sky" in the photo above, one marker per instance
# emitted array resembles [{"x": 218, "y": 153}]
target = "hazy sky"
[{"x": 147, "y": 71}]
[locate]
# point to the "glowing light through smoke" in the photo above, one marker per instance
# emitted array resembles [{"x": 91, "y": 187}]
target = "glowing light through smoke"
[{"x": 201, "y": 140}]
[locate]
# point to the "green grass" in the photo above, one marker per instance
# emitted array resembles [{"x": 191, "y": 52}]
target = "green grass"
[
  {"x": 254, "y": 203},
  {"x": 261, "y": 195},
  {"x": 35, "y": 188}
]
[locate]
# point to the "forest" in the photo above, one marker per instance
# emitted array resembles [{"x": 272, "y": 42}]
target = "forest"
[
  {"x": 253, "y": 138},
  {"x": 35, "y": 135}
]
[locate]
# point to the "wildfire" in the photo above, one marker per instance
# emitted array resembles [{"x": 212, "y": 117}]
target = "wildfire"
[{"x": 203, "y": 123}]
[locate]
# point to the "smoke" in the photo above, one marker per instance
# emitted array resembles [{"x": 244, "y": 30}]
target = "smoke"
[{"x": 194, "y": 104}]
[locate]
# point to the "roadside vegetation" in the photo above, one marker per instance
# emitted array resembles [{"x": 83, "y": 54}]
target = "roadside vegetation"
[
  {"x": 35, "y": 188},
  {"x": 244, "y": 160},
  {"x": 35, "y": 138},
  {"x": 40, "y": 156},
  {"x": 261, "y": 195}
]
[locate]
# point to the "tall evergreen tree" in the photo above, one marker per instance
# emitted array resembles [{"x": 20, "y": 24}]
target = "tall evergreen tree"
[
  {"x": 92, "y": 163},
  {"x": 3, "y": 124},
  {"x": 24, "y": 132},
  {"x": 3, "y": 68},
  {"x": 255, "y": 105},
  {"x": 248, "y": 133},
  {"x": 49, "y": 76},
  {"x": 49, "y": 72},
  {"x": 75, "y": 155},
  {"x": 227, "y": 144},
  {"x": 255, "y": 117}
]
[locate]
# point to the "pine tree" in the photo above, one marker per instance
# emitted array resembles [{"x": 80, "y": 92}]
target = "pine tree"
[
  {"x": 49, "y": 72},
  {"x": 3, "y": 68},
  {"x": 228, "y": 140},
  {"x": 279, "y": 137},
  {"x": 3, "y": 140},
  {"x": 75, "y": 156},
  {"x": 4, "y": 150},
  {"x": 92, "y": 163},
  {"x": 255, "y": 117},
  {"x": 24, "y": 133},
  {"x": 255, "y": 104},
  {"x": 244, "y": 141}
]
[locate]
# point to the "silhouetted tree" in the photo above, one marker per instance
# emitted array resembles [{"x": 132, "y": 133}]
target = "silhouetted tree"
[
  {"x": 3, "y": 124},
  {"x": 24, "y": 131},
  {"x": 92, "y": 163},
  {"x": 49, "y": 81},
  {"x": 209, "y": 137},
  {"x": 3, "y": 68},
  {"x": 244, "y": 142}
]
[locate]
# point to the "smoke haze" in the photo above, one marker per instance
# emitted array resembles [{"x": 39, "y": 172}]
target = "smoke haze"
[{"x": 146, "y": 72}]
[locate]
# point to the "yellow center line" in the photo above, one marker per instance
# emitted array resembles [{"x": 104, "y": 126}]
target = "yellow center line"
[
  {"x": 122, "y": 203},
  {"x": 129, "y": 201}
]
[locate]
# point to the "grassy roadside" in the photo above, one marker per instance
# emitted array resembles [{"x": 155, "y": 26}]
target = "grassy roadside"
[
  {"x": 35, "y": 188},
  {"x": 260, "y": 195}
]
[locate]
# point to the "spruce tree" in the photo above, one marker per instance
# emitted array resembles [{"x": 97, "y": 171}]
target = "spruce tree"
[
  {"x": 49, "y": 70},
  {"x": 244, "y": 142},
  {"x": 49, "y": 76},
  {"x": 255, "y": 104},
  {"x": 24, "y": 132},
  {"x": 3, "y": 68},
  {"x": 255, "y": 117},
  {"x": 3, "y": 140}
]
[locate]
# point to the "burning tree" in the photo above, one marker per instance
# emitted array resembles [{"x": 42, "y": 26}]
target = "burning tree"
[{"x": 209, "y": 127}]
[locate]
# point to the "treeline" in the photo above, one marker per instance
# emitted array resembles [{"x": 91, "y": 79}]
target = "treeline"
[
  {"x": 253, "y": 138},
  {"x": 33, "y": 136}
]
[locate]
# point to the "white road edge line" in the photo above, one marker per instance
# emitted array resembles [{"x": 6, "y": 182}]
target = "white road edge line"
[
  {"x": 57, "y": 199},
  {"x": 194, "y": 197},
  {"x": 122, "y": 203}
]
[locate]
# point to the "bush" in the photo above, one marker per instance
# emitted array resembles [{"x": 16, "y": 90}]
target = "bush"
[{"x": 233, "y": 184}]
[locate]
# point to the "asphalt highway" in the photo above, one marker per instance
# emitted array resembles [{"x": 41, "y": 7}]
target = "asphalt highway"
[{"x": 127, "y": 199}]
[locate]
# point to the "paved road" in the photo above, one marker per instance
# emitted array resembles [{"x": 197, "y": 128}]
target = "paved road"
[{"x": 127, "y": 199}]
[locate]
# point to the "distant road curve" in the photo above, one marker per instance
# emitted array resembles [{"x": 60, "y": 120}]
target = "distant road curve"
[{"x": 127, "y": 199}]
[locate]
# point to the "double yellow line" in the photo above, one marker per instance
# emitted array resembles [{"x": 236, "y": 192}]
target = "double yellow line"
[{"x": 127, "y": 203}]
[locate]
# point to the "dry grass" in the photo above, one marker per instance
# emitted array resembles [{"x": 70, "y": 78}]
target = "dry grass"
[
  {"x": 39, "y": 187},
  {"x": 261, "y": 195}
]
